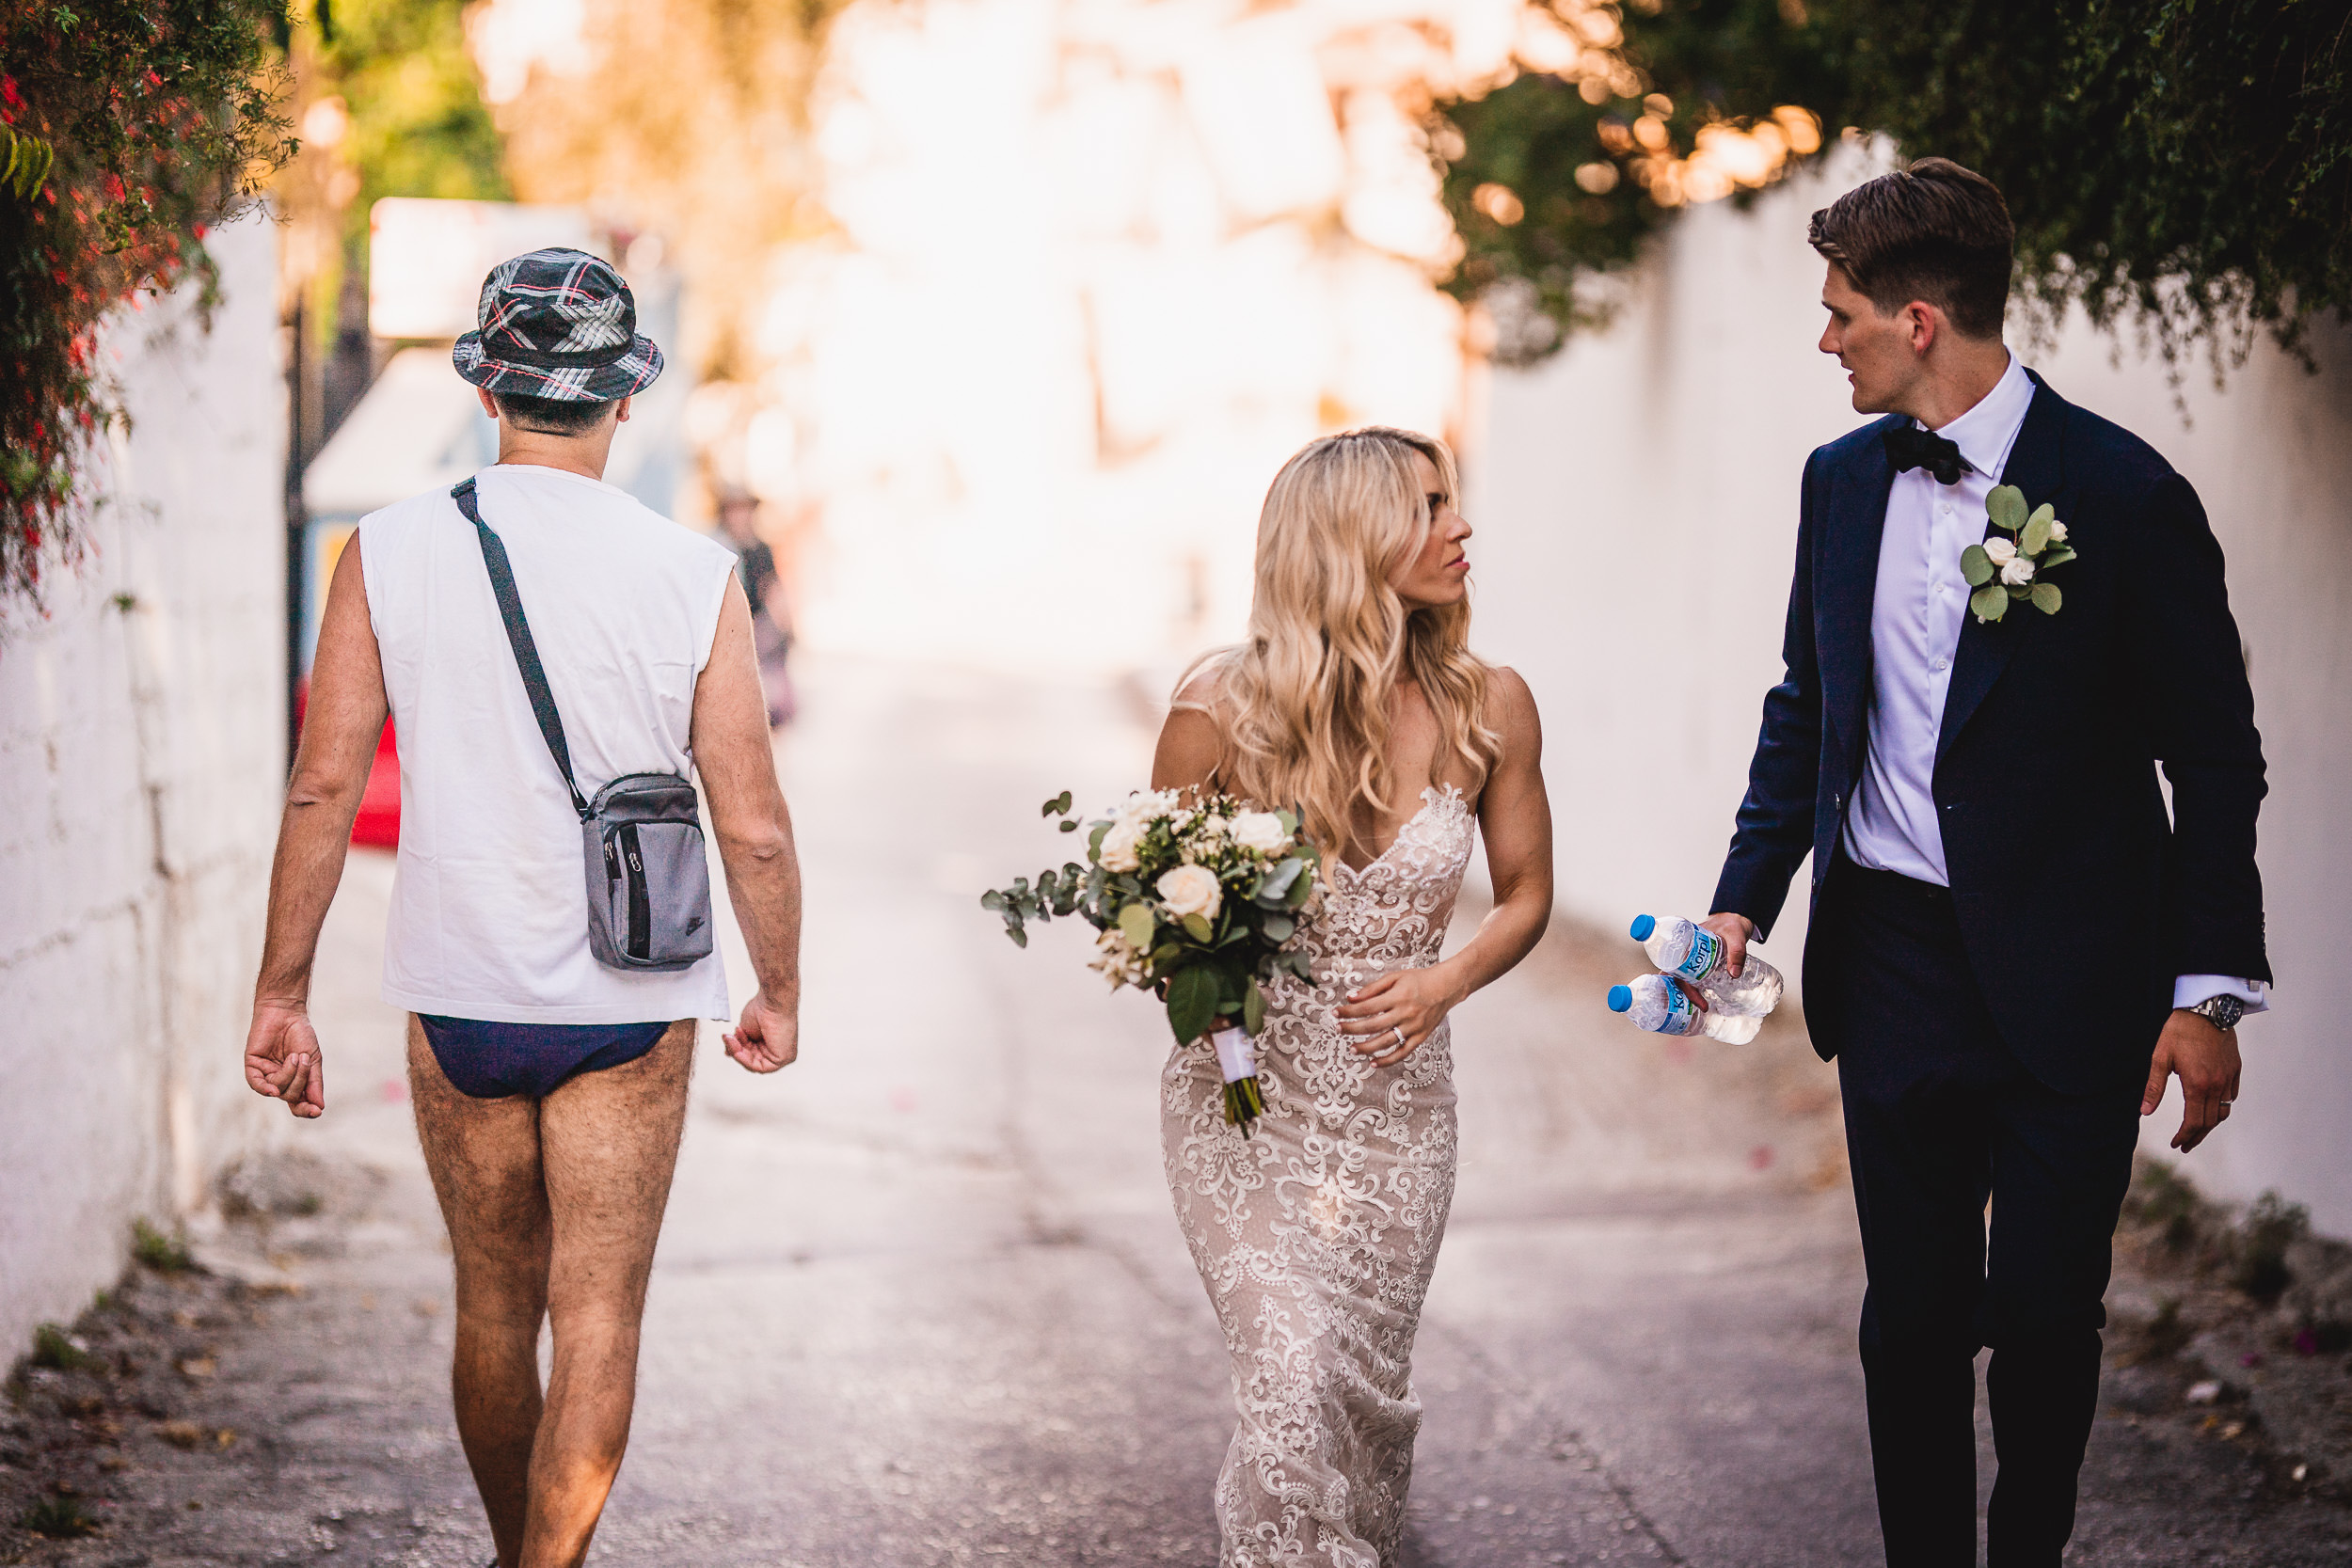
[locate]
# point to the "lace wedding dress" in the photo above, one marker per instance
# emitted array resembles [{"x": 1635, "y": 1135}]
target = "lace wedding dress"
[{"x": 1316, "y": 1236}]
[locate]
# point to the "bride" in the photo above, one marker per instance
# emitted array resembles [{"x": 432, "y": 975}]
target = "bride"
[{"x": 1357, "y": 702}]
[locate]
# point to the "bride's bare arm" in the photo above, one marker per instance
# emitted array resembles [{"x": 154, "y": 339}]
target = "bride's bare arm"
[{"x": 1515, "y": 815}]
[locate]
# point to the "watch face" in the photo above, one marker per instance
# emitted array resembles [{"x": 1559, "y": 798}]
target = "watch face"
[{"x": 2223, "y": 1011}]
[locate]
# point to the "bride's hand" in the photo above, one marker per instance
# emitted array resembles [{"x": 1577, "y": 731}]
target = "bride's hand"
[{"x": 1392, "y": 1015}]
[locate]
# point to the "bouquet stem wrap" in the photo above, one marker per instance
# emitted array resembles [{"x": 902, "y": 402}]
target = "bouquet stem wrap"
[{"x": 1237, "y": 1063}]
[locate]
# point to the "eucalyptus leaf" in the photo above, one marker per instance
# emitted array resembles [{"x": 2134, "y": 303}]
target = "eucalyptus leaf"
[
  {"x": 2006, "y": 505},
  {"x": 1136, "y": 923},
  {"x": 1278, "y": 927},
  {"x": 1056, "y": 806},
  {"x": 1069, "y": 827},
  {"x": 991, "y": 899},
  {"x": 1301, "y": 890},
  {"x": 2058, "y": 556},
  {"x": 1277, "y": 880},
  {"x": 1989, "y": 602},
  {"x": 1196, "y": 926},
  {"x": 2037, "y": 535},
  {"x": 1191, "y": 1003},
  {"x": 1094, "y": 840},
  {"x": 2018, "y": 590},
  {"x": 1164, "y": 958},
  {"x": 2047, "y": 598},
  {"x": 1289, "y": 821},
  {"x": 1253, "y": 1008},
  {"x": 1976, "y": 566},
  {"x": 1020, "y": 936}
]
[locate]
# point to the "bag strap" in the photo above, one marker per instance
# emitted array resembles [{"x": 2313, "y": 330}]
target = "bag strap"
[{"x": 519, "y": 634}]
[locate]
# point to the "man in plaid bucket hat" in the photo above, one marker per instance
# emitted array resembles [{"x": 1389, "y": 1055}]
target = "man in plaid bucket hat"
[
  {"x": 558, "y": 327},
  {"x": 548, "y": 1080}
]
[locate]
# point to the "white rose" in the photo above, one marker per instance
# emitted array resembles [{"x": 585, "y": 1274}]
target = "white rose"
[
  {"x": 2018, "y": 570},
  {"x": 1117, "y": 852},
  {"x": 1260, "y": 831},
  {"x": 1190, "y": 890},
  {"x": 2058, "y": 533},
  {"x": 2000, "y": 551}
]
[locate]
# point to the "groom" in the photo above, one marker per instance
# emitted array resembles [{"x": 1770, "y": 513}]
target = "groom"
[{"x": 2014, "y": 943}]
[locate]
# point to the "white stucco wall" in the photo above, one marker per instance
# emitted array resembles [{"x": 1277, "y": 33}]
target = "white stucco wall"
[
  {"x": 142, "y": 759},
  {"x": 1636, "y": 505}
]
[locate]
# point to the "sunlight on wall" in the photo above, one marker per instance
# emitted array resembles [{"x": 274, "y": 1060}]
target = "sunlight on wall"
[
  {"x": 1102, "y": 266},
  {"x": 1096, "y": 267}
]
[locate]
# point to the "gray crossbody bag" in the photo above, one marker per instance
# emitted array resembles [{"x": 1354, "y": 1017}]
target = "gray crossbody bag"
[{"x": 648, "y": 877}]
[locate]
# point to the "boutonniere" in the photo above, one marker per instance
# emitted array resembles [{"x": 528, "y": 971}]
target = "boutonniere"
[{"x": 2003, "y": 571}]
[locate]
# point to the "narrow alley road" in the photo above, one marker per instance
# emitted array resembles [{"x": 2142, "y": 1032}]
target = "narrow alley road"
[{"x": 921, "y": 1300}]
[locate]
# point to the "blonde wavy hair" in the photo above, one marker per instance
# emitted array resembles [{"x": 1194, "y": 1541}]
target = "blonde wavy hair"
[{"x": 1302, "y": 707}]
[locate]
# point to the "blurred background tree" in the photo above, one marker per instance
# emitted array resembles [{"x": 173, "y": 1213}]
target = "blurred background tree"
[
  {"x": 684, "y": 119},
  {"x": 388, "y": 102},
  {"x": 2182, "y": 164}
]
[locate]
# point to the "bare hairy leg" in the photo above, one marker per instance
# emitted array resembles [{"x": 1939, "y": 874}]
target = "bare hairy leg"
[
  {"x": 608, "y": 1147},
  {"x": 485, "y": 1158}
]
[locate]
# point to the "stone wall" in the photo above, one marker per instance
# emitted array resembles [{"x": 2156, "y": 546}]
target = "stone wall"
[
  {"x": 1636, "y": 503},
  {"x": 142, "y": 761}
]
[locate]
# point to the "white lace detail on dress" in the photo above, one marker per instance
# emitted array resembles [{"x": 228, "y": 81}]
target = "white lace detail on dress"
[{"x": 1317, "y": 1237}]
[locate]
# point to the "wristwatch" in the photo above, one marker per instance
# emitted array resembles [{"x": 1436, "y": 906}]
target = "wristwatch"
[{"x": 2222, "y": 1011}]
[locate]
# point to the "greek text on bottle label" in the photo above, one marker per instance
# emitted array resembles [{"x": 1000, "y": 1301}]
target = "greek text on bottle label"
[
  {"x": 1705, "y": 949},
  {"x": 1680, "y": 1011}
]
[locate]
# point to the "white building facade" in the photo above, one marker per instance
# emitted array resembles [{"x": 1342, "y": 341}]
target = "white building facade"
[{"x": 142, "y": 752}]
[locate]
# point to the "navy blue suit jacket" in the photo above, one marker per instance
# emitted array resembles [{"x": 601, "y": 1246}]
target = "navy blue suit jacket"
[{"x": 2079, "y": 899}]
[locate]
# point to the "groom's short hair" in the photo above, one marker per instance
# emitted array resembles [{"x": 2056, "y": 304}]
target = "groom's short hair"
[{"x": 1931, "y": 231}]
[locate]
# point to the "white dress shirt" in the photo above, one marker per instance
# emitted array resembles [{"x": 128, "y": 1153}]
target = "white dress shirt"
[{"x": 1920, "y": 604}]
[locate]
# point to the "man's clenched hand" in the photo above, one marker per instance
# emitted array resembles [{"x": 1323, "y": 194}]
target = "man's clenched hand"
[
  {"x": 2204, "y": 1057},
  {"x": 769, "y": 1037},
  {"x": 281, "y": 1058}
]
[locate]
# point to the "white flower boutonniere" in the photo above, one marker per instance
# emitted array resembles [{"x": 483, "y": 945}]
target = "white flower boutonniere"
[{"x": 2003, "y": 571}]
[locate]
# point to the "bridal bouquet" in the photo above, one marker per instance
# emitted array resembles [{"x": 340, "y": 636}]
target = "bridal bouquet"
[{"x": 1196, "y": 896}]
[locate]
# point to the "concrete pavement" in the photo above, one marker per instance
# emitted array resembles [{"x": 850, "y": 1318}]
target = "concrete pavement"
[{"x": 921, "y": 1300}]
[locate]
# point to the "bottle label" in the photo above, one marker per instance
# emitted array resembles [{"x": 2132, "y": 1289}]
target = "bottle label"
[
  {"x": 1706, "y": 951},
  {"x": 1682, "y": 1014}
]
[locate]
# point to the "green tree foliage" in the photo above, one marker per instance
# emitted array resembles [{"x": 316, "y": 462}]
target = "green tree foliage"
[
  {"x": 160, "y": 117},
  {"x": 419, "y": 126},
  {"x": 2186, "y": 163}
]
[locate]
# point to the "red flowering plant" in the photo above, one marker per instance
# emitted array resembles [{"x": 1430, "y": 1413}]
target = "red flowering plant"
[{"x": 126, "y": 126}]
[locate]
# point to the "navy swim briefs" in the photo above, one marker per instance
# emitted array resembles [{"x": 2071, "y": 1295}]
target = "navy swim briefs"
[{"x": 492, "y": 1061}]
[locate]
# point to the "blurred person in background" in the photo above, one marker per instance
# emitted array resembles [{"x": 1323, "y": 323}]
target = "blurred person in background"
[
  {"x": 549, "y": 1083},
  {"x": 772, "y": 611}
]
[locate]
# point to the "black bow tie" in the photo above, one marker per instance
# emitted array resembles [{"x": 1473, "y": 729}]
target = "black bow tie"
[{"x": 1909, "y": 447}]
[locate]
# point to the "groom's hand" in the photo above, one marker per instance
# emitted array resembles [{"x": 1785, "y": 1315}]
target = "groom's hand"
[
  {"x": 1737, "y": 931},
  {"x": 2205, "y": 1058}
]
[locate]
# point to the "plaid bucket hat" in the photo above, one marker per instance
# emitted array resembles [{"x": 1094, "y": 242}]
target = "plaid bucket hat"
[{"x": 558, "y": 323}]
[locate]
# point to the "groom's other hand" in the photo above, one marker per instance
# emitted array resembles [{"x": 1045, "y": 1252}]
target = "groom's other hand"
[
  {"x": 2206, "y": 1059},
  {"x": 1737, "y": 931}
]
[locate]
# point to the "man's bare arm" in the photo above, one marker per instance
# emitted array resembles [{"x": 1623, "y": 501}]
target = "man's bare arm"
[
  {"x": 340, "y": 728},
  {"x": 734, "y": 754}
]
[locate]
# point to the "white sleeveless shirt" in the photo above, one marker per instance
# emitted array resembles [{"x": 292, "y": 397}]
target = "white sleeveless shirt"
[{"x": 489, "y": 916}]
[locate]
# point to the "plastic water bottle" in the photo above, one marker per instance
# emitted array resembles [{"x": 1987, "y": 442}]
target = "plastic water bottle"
[
  {"x": 1657, "y": 1005},
  {"x": 1697, "y": 955}
]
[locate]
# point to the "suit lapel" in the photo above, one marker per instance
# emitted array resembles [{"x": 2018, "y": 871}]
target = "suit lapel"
[
  {"x": 2037, "y": 466},
  {"x": 1844, "y": 589}
]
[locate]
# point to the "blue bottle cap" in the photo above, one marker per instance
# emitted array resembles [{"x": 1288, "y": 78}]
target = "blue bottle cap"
[
  {"x": 1620, "y": 999},
  {"x": 1643, "y": 926}
]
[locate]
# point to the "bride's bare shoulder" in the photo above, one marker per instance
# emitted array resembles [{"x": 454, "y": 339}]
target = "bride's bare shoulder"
[
  {"x": 1511, "y": 712},
  {"x": 1192, "y": 742}
]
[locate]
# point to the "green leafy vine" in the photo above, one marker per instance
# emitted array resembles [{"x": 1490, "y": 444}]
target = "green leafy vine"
[{"x": 131, "y": 125}]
